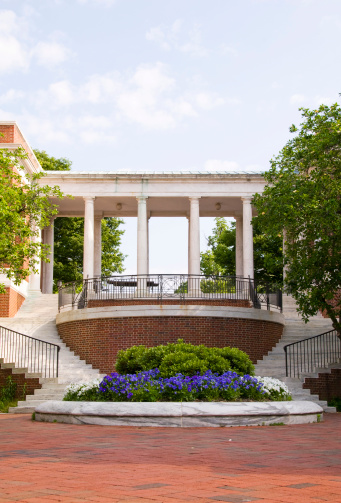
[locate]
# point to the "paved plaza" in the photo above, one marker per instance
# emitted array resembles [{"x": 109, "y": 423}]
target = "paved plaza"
[{"x": 50, "y": 462}]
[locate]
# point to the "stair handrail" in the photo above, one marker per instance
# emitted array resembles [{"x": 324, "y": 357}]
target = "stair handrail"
[
  {"x": 35, "y": 355},
  {"x": 306, "y": 355}
]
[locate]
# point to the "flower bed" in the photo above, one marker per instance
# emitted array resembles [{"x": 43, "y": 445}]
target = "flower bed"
[{"x": 149, "y": 386}]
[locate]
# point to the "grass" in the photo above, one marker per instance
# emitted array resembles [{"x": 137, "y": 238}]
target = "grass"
[{"x": 6, "y": 404}]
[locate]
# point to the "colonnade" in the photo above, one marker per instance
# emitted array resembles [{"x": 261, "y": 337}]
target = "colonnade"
[{"x": 92, "y": 242}]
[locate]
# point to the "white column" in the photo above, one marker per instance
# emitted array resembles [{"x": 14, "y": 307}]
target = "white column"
[
  {"x": 239, "y": 245},
  {"x": 247, "y": 238},
  {"x": 98, "y": 246},
  {"x": 142, "y": 235},
  {"x": 48, "y": 266},
  {"x": 35, "y": 276},
  {"x": 88, "y": 255},
  {"x": 189, "y": 243},
  {"x": 194, "y": 246},
  {"x": 148, "y": 218},
  {"x": 194, "y": 236}
]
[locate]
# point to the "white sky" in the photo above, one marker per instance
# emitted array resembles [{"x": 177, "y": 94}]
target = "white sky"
[{"x": 166, "y": 85}]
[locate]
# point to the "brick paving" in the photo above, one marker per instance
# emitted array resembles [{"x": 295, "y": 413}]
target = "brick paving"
[{"x": 50, "y": 462}]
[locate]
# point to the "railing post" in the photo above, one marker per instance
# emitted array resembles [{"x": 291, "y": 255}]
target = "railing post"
[
  {"x": 60, "y": 294},
  {"x": 267, "y": 297},
  {"x": 57, "y": 369},
  {"x": 286, "y": 361}
]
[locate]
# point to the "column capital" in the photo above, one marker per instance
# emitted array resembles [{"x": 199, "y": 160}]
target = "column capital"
[
  {"x": 89, "y": 198},
  {"x": 52, "y": 219},
  {"x": 194, "y": 198},
  {"x": 246, "y": 199},
  {"x": 141, "y": 198}
]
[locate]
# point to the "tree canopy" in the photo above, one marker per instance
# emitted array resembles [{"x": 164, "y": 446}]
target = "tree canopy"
[
  {"x": 220, "y": 258},
  {"x": 24, "y": 209},
  {"x": 49, "y": 163},
  {"x": 69, "y": 236},
  {"x": 302, "y": 199}
]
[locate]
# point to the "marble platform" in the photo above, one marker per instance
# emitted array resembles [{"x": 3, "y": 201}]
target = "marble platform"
[{"x": 177, "y": 414}]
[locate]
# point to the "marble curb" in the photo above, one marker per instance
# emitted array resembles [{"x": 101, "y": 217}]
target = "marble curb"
[
  {"x": 179, "y": 414},
  {"x": 186, "y": 310}
]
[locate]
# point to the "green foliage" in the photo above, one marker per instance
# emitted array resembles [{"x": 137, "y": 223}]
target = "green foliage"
[
  {"x": 24, "y": 209},
  {"x": 69, "y": 236},
  {"x": 49, "y": 163},
  {"x": 220, "y": 258},
  {"x": 8, "y": 395},
  {"x": 183, "y": 358},
  {"x": 302, "y": 198},
  {"x": 68, "y": 248},
  {"x": 335, "y": 402}
]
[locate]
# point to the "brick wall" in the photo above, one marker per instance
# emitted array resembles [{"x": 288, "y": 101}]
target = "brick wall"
[
  {"x": 97, "y": 341},
  {"x": 10, "y": 303},
  {"x": 32, "y": 383},
  {"x": 12, "y": 134},
  {"x": 326, "y": 386},
  {"x": 173, "y": 302},
  {"x": 8, "y": 132}
]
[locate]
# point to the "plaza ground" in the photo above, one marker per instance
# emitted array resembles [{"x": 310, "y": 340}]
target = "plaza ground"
[{"x": 44, "y": 462}]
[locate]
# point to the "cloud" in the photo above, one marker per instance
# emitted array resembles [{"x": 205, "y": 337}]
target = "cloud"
[
  {"x": 14, "y": 55},
  {"x": 316, "y": 101},
  {"x": 297, "y": 99},
  {"x": 50, "y": 54},
  {"x": 12, "y": 95},
  {"x": 229, "y": 50},
  {"x": 172, "y": 38},
  {"x": 101, "y": 3},
  {"x": 218, "y": 165},
  {"x": 148, "y": 97},
  {"x": 18, "y": 50},
  {"x": 323, "y": 100}
]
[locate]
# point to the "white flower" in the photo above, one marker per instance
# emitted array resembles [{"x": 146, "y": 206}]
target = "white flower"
[
  {"x": 271, "y": 384},
  {"x": 81, "y": 387}
]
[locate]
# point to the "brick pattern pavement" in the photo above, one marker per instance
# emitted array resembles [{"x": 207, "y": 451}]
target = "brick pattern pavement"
[{"x": 43, "y": 462}]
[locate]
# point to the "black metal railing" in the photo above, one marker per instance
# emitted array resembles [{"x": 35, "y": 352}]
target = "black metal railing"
[
  {"x": 181, "y": 287},
  {"x": 307, "y": 355},
  {"x": 38, "y": 357}
]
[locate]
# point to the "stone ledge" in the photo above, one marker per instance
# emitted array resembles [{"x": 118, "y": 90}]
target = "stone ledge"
[
  {"x": 179, "y": 414},
  {"x": 186, "y": 310}
]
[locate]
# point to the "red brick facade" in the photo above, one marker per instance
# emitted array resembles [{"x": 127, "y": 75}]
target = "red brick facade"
[
  {"x": 97, "y": 341},
  {"x": 12, "y": 134},
  {"x": 326, "y": 386},
  {"x": 10, "y": 303},
  {"x": 32, "y": 383}
]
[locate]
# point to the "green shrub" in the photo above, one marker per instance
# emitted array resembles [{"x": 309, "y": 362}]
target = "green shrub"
[{"x": 183, "y": 358}]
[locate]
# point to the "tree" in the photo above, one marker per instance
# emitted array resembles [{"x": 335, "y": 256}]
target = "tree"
[
  {"x": 69, "y": 236},
  {"x": 24, "y": 209},
  {"x": 302, "y": 199},
  {"x": 49, "y": 163},
  {"x": 220, "y": 258}
]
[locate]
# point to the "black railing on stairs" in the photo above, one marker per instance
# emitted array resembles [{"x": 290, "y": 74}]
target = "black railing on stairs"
[
  {"x": 314, "y": 352},
  {"x": 180, "y": 287},
  {"x": 38, "y": 357}
]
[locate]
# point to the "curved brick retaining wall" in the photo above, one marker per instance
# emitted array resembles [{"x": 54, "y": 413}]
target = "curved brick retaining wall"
[{"x": 97, "y": 334}]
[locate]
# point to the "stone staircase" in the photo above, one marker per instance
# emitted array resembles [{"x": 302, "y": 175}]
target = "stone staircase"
[
  {"x": 273, "y": 365},
  {"x": 36, "y": 318}
]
